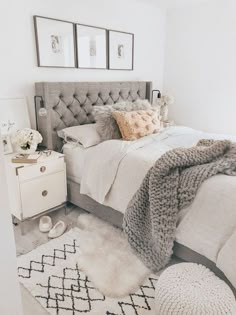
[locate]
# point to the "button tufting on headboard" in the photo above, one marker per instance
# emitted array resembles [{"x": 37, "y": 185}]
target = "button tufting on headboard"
[{"x": 71, "y": 103}]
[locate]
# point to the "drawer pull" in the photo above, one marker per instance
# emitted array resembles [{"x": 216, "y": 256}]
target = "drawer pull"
[
  {"x": 44, "y": 193},
  {"x": 42, "y": 169}
]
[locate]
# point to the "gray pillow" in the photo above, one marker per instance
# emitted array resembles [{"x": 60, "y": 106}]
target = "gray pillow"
[{"x": 106, "y": 124}]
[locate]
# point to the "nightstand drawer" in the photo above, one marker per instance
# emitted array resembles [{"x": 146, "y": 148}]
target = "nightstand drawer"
[
  {"x": 42, "y": 194},
  {"x": 40, "y": 169}
]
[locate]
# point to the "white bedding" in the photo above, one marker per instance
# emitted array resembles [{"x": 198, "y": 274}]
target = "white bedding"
[
  {"x": 112, "y": 171},
  {"x": 115, "y": 169},
  {"x": 74, "y": 157}
]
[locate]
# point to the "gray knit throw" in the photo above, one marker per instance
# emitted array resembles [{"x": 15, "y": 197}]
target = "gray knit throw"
[{"x": 170, "y": 185}]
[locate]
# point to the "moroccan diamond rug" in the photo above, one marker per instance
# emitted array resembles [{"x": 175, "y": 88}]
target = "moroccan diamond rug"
[{"x": 51, "y": 274}]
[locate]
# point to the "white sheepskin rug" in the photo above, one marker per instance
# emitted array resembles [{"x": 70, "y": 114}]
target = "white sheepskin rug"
[{"x": 107, "y": 259}]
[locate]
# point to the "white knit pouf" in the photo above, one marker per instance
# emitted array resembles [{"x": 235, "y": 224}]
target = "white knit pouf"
[{"x": 192, "y": 289}]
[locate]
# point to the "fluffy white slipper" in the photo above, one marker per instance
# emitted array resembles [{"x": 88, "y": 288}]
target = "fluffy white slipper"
[
  {"x": 45, "y": 224},
  {"x": 58, "y": 229}
]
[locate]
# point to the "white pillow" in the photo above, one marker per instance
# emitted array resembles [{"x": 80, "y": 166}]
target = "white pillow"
[{"x": 86, "y": 135}]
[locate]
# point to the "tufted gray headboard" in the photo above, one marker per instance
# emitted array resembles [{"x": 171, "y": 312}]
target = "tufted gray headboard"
[{"x": 70, "y": 103}]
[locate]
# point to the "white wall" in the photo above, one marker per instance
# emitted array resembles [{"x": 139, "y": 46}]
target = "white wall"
[
  {"x": 18, "y": 54},
  {"x": 10, "y": 303},
  {"x": 200, "y": 68}
]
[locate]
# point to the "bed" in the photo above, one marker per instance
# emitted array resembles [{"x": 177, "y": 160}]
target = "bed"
[{"x": 70, "y": 104}]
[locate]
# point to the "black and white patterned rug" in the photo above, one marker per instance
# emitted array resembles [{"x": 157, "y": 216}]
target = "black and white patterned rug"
[{"x": 51, "y": 275}]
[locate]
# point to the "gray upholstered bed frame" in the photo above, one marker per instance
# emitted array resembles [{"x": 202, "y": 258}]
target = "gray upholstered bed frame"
[{"x": 69, "y": 104}]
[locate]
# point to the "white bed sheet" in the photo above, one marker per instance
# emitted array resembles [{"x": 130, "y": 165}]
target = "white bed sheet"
[
  {"x": 114, "y": 169},
  {"x": 74, "y": 157}
]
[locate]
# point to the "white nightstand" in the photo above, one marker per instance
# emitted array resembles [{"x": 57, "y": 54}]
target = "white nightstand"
[{"x": 36, "y": 188}]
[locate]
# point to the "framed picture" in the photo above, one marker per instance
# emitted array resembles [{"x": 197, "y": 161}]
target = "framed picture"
[
  {"x": 55, "y": 42},
  {"x": 121, "y": 50},
  {"x": 7, "y": 146},
  {"x": 91, "y": 47}
]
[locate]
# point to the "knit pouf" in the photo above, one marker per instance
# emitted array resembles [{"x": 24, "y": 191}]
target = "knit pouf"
[{"x": 192, "y": 289}]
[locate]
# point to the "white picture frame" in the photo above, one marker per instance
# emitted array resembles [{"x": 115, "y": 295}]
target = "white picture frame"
[
  {"x": 7, "y": 145},
  {"x": 14, "y": 115},
  {"x": 91, "y": 47},
  {"x": 121, "y": 50},
  {"x": 55, "y": 42}
]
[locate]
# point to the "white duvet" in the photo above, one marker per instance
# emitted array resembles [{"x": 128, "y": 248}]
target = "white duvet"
[{"x": 113, "y": 171}]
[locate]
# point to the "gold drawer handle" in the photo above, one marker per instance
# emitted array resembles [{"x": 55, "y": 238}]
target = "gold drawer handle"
[
  {"x": 42, "y": 169},
  {"x": 44, "y": 193}
]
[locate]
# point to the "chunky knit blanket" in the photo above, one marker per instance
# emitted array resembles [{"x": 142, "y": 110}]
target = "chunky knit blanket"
[{"x": 170, "y": 185}]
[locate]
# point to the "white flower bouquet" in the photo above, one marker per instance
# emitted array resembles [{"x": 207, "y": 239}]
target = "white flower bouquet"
[
  {"x": 27, "y": 140},
  {"x": 166, "y": 100}
]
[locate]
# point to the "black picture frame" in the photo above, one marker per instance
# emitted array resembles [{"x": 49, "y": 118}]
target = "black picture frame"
[
  {"x": 37, "y": 42},
  {"x": 109, "y": 51},
  {"x": 77, "y": 46}
]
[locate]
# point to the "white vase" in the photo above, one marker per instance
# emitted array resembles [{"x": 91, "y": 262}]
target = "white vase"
[
  {"x": 31, "y": 150},
  {"x": 164, "y": 112}
]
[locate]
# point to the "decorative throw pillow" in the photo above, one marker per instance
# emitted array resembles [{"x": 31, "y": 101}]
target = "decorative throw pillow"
[
  {"x": 136, "y": 124},
  {"x": 86, "y": 135},
  {"x": 106, "y": 124}
]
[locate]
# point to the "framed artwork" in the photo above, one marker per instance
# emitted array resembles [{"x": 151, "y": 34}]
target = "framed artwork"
[
  {"x": 14, "y": 115},
  {"x": 91, "y": 47},
  {"x": 7, "y": 146},
  {"x": 121, "y": 50},
  {"x": 55, "y": 42}
]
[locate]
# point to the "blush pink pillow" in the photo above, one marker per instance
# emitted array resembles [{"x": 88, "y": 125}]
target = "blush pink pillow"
[{"x": 137, "y": 124}]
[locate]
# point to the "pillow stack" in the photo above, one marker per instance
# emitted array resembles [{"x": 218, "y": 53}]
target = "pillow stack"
[{"x": 126, "y": 120}]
